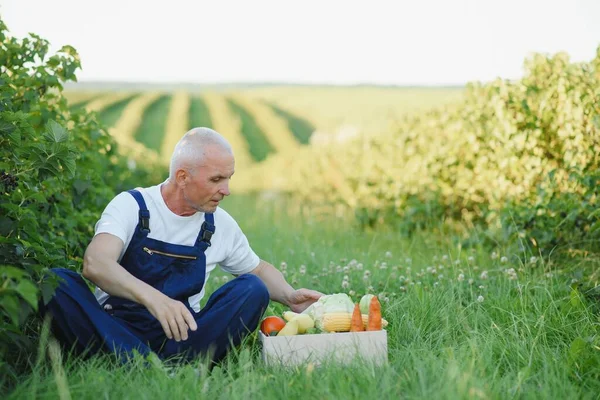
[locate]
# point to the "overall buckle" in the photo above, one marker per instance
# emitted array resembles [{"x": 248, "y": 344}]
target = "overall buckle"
[
  {"x": 206, "y": 232},
  {"x": 145, "y": 221}
]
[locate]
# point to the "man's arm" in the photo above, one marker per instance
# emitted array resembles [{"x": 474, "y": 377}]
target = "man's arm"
[
  {"x": 281, "y": 291},
  {"x": 101, "y": 267}
]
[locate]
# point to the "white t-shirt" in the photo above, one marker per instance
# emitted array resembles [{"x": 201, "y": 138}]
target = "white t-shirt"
[{"x": 229, "y": 246}]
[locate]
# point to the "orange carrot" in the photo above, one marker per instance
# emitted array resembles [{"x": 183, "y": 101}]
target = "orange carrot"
[
  {"x": 356, "y": 324},
  {"x": 374, "y": 321}
]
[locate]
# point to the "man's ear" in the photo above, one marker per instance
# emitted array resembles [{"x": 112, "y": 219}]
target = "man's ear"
[{"x": 181, "y": 177}]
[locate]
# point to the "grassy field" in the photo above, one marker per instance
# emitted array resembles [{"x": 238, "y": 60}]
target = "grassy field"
[
  {"x": 464, "y": 323},
  {"x": 327, "y": 112},
  {"x": 368, "y": 110}
]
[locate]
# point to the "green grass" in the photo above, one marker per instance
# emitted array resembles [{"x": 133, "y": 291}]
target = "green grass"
[
  {"x": 258, "y": 145},
  {"x": 529, "y": 337},
  {"x": 199, "y": 114},
  {"x": 152, "y": 128},
  {"x": 111, "y": 114},
  {"x": 301, "y": 128}
]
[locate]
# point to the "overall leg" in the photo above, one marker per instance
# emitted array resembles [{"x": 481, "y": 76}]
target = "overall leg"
[
  {"x": 231, "y": 313},
  {"x": 79, "y": 322}
]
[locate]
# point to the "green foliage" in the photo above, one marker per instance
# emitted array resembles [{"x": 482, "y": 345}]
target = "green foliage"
[
  {"x": 111, "y": 114},
  {"x": 154, "y": 120},
  {"x": 59, "y": 168},
  {"x": 258, "y": 145},
  {"x": 199, "y": 114},
  {"x": 556, "y": 220},
  {"x": 301, "y": 128}
]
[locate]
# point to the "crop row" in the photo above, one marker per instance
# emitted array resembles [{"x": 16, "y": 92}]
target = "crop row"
[{"x": 254, "y": 128}]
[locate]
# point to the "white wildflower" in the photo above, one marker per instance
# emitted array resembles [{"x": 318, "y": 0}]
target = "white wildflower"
[
  {"x": 480, "y": 299},
  {"x": 461, "y": 277},
  {"x": 484, "y": 275},
  {"x": 388, "y": 254},
  {"x": 504, "y": 259},
  {"x": 131, "y": 164}
]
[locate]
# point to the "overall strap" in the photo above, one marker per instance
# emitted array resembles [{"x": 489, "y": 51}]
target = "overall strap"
[
  {"x": 144, "y": 214},
  {"x": 206, "y": 232}
]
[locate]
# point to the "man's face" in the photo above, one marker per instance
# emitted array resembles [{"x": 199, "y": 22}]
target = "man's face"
[{"x": 208, "y": 183}]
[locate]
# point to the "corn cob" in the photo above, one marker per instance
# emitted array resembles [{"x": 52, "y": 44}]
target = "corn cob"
[{"x": 340, "y": 321}]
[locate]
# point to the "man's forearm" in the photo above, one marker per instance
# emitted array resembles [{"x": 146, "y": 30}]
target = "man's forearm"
[
  {"x": 115, "y": 280},
  {"x": 279, "y": 289}
]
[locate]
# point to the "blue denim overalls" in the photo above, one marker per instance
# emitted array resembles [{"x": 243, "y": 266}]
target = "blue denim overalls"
[{"x": 122, "y": 326}]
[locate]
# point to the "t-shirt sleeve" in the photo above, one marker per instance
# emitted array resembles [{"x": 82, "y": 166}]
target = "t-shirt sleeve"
[
  {"x": 119, "y": 218},
  {"x": 240, "y": 258}
]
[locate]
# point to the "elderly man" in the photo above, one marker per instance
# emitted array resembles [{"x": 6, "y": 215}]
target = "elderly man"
[{"x": 152, "y": 252}]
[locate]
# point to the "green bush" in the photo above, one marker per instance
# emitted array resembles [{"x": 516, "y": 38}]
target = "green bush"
[
  {"x": 58, "y": 170},
  {"x": 556, "y": 221}
]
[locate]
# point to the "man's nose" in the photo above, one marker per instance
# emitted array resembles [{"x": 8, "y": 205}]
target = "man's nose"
[{"x": 225, "y": 189}]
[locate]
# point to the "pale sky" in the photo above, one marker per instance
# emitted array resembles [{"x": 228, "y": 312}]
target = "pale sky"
[{"x": 414, "y": 42}]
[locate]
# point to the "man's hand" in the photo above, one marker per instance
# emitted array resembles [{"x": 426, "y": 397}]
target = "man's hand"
[
  {"x": 300, "y": 299},
  {"x": 173, "y": 315}
]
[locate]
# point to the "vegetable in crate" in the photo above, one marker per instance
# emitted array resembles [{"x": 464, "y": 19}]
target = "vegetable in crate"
[
  {"x": 374, "y": 323},
  {"x": 365, "y": 301},
  {"x": 305, "y": 322},
  {"x": 356, "y": 325},
  {"x": 290, "y": 329},
  {"x": 333, "y": 313},
  {"x": 270, "y": 326}
]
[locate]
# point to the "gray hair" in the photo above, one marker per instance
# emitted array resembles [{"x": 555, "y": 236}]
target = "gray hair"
[{"x": 191, "y": 148}]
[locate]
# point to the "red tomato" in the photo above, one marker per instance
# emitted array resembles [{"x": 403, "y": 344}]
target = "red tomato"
[{"x": 271, "y": 325}]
